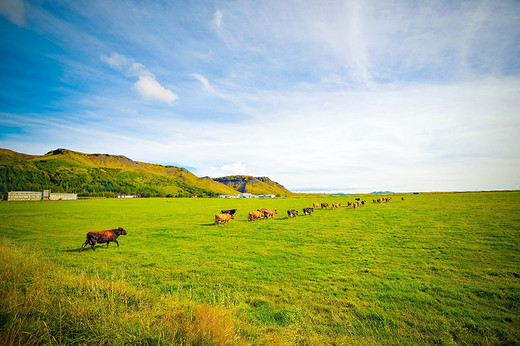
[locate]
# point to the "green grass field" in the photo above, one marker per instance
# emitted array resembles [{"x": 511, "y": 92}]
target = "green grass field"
[{"x": 434, "y": 268}]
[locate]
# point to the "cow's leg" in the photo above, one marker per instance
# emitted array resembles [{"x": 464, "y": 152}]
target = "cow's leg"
[
  {"x": 93, "y": 244},
  {"x": 83, "y": 246},
  {"x": 108, "y": 242},
  {"x": 116, "y": 242}
]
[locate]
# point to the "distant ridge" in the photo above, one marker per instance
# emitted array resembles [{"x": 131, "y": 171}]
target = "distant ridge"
[
  {"x": 254, "y": 185},
  {"x": 64, "y": 170}
]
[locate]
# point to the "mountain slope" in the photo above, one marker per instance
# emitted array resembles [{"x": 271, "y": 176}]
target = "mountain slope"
[
  {"x": 64, "y": 170},
  {"x": 254, "y": 185},
  {"x": 126, "y": 164}
]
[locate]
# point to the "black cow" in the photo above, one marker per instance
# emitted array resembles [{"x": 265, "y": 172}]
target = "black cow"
[
  {"x": 307, "y": 211},
  {"x": 232, "y": 211}
]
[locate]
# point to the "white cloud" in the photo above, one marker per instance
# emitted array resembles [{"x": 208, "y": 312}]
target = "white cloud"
[
  {"x": 236, "y": 168},
  {"x": 149, "y": 89},
  {"x": 116, "y": 61},
  {"x": 147, "y": 85},
  {"x": 14, "y": 10}
]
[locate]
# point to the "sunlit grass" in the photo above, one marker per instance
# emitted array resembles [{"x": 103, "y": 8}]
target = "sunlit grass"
[{"x": 434, "y": 268}]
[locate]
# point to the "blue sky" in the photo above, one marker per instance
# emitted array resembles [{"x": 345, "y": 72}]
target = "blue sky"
[{"x": 321, "y": 96}]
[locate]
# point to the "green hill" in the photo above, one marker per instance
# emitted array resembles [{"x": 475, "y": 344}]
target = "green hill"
[
  {"x": 64, "y": 170},
  {"x": 254, "y": 185}
]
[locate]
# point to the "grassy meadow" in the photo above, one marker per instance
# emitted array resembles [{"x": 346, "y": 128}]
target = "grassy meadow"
[{"x": 434, "y": 268}]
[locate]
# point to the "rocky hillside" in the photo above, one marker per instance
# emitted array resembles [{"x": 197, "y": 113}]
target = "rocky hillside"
[
  {"x": 254, "y": 185},
  {"x": 64, "y": 170}
]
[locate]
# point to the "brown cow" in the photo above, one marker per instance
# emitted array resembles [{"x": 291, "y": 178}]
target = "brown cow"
[
  {"x": 223, "y": 218},
  {"x": 270, "y": 213},
  {"x": 335, "y": 205},
  {"x": 316, "y": 205},
  {"x": 105, "y": 236},
  {"x": 324, "y": 205},
  {"x": 292, "y": 213},
  {"x": 307, "y": 211},
  {"x": 255, "y": 215}
]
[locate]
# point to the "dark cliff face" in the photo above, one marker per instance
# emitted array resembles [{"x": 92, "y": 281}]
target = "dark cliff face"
[
  {"x": 258, "y": 185},
  {"x": 238, "y": 182}
]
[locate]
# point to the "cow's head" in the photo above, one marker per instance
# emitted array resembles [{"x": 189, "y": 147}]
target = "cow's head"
[
  {"x": 121, "y": 231},
  {"x": 232, "y": 216}
]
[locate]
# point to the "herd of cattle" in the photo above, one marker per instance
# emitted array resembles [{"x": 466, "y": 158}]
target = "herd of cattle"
[
  {"x": 226, "y": 215},
  {"x": 109, "y": 235}
]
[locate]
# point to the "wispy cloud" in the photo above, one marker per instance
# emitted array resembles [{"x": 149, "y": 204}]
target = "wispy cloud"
[
  {"x": 204, "y": 82},
  {"x": 14, "y": 10}
]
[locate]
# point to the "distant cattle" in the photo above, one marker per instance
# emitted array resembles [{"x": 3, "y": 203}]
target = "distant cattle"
[
  {"x": 231, "y": 211},
  {"x": 307, "y": 211},
  {"x": 105, "y": 236},
  {"x": 292, "y": 213},
  {"x": 324, "y": 205},
  {"x": 357, "y": 199},
  {"x": 270, "y": 213},
  {"x": 255, "y": 215},
  {"x": 223, "y": 218},
  {"x": 316, "y": 205},
  {"x": 335, "y": 205},
  {"x": 402, "y": 198},
  {"x": 349, "y": 203}
]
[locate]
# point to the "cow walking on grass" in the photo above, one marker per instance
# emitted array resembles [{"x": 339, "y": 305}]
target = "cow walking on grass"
[
  {"x": 231, "y": 211},
  {"x": 223, "y": 218},
  {"x": 105, "y": 236},
  {"x": 307, "y": 211},
  {"x": 255, "y": 215},
  {"x": 292, "y": 213}
]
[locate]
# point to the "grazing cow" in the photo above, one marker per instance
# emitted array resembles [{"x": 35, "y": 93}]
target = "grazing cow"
[
  {"x": 363, "y": 203},
  {"x": 357, "y": 199},
  {"x": 402, "y": 198},
  {"x": 307, "y": 211},
  {"x": 349, "y": 203},
  {"x": 105, "y": 236},
  {"x": 335, "y": 205},
  {"x": 231, "y": 211},
  {"x": 223, "y": 218},
  {"x": 255, "y": 215},
  {"x": 262, "y": 210},
  {"x": 316, "y": 205},
  {"x": 374, "y": 201},
  {"x": 270, "y": 213},
  {"x": 324, "y": 205},
  {"x": 292, "y": 213}
]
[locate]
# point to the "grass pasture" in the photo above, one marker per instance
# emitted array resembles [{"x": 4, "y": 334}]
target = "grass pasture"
[{"x": 434, "y": 268}]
